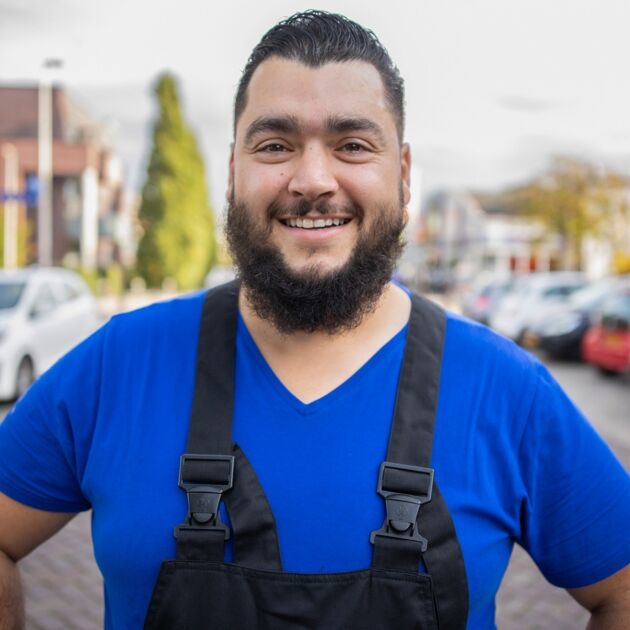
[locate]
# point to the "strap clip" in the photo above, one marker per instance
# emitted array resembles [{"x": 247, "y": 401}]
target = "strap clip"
[
  {"x": 405, "y": 489},
  {"x": 205, "y": 478}
]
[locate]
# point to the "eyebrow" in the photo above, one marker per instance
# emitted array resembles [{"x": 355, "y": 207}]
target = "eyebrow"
[
  {"x": 281, "y": 124},
  {"x": 336, "y": 124},
  {"x": 333, "y": 125}
]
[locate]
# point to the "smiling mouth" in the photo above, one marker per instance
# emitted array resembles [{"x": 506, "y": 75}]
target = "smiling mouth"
[{"x": 314, "y": 224}]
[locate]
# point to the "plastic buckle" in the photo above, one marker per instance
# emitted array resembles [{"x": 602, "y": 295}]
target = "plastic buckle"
[
  {"x": 402, "y": 507},
  {"x": 204, "y": 499}
]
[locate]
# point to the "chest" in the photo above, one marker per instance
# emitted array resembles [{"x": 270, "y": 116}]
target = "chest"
[{"x": 317, "y": 463}]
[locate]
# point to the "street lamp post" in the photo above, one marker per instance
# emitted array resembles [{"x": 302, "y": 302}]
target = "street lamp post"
[
  {"x": 11, "y": 184},
  {"x": 45, "y": 166}
]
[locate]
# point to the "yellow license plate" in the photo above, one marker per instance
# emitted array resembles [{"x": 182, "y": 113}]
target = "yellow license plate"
[{"x": 613, "y": 340}]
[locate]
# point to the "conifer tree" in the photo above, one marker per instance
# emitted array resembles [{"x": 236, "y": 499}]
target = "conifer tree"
[{"x": 178, "y": 240}]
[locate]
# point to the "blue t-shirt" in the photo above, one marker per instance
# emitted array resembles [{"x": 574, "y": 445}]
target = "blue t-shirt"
[{"x": 514, "y": 459}]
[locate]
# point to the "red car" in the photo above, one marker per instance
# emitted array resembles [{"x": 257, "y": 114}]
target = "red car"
[{"x": 607, "y": 344}]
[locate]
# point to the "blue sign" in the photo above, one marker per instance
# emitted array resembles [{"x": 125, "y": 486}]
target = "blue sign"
[
  {"x": 10, "y": 196},
  {"x": 32, "y": 189},
  {"x": 28, "y": 196}
]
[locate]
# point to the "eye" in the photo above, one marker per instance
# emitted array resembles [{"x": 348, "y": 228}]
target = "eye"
[
  {"x": 272, "y": 147},
  {"x": 353, "y": 147}
]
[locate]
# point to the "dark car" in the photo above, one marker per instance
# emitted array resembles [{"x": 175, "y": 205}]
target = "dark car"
[
  {"x": 561, "y": 334},
  {"x": 607, "y": 344}
]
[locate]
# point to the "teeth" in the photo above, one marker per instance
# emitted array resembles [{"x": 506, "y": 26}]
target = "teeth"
[{"x": 309, "y": 224}]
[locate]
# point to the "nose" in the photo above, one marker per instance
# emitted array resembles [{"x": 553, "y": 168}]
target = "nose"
[{"x": 314, "y": 175}]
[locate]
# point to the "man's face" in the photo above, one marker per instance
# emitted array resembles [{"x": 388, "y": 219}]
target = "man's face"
[{"x": 317, "y": 161}]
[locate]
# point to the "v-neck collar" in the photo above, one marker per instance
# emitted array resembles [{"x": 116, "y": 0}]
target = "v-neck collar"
[{"x": 342, "y": 390}]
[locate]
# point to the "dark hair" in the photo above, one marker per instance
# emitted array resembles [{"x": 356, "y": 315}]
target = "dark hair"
[{"x": 316, "y": 38}]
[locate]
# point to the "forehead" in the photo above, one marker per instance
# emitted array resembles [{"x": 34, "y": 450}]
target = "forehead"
[{"x": 283, "y": 87}]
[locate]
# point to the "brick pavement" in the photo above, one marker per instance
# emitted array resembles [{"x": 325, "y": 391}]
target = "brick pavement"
[
  {"x": 526, "y": 601},
  {"x": 62, "y": 584}
]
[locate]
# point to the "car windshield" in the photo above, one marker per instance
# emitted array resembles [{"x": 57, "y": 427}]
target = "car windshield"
[
  {"x": 621, "y": 307},
  {"x": 10, "y": 293},
  {"x": 519, "y": 289},
  {"x": 591, "y": 296}
]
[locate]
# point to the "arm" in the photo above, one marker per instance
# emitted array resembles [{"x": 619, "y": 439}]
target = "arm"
[
  {"x": 22, "y": 528},
  {"x": 608, "y": 601},
  {"x": 11, "y": 602}
]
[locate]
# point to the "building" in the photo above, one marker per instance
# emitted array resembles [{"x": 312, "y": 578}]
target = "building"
[
  {"x": 450, "y": 233},
  {"x": 463, "y": 235},
  {"x": 87, "y": 187}
]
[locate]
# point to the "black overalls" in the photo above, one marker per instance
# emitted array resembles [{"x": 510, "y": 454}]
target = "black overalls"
[{"x": 199, "y": 591}]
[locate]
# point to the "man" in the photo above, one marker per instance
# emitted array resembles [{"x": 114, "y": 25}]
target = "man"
[{"x": 319, "y": 180}]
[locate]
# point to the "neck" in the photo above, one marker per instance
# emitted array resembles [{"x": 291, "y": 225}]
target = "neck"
[{"x": 312, "y": 364}]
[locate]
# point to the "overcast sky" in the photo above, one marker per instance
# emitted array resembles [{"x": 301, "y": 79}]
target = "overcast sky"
[{"x": 494, "y": 87}]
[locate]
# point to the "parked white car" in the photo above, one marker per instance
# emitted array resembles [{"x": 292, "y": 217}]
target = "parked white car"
[
  {"x": 44, "y": 312},
  {"x": 531, "y": 297}
]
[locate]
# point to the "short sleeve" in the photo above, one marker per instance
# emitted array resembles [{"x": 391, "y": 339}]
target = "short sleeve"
[
  {"x": 576, "y": 516},
  {"x": 45, "y": 439}
]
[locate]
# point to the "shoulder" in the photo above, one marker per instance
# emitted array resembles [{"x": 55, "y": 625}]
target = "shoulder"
[
  {"x": 126, "y": 341},
  {"x": 473, "y": 338},
  {"x": 490, "y": 389},
  {"x": 172, "y": 315},
  {"x": 486, "y": 357},
  {"x": 468, "y": 343}
]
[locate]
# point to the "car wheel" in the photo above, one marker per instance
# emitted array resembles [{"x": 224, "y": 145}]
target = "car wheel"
[
  {"x": 607, "y": 373},
  {"x": 24, "y": 377}
]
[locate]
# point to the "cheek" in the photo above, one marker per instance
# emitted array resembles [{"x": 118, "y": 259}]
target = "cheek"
[
  {"x": 259, "y": 183},
  {"x": 369, "y": 183}
]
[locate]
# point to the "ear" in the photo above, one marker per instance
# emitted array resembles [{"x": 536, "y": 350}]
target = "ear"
[
  {"x": 405, "y": 171},
  {"x": 229, "y": 193},
  {"x": 405, "y": 215}
]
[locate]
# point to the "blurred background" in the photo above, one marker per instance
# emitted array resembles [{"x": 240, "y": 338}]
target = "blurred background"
[{"x": 115, "y": 125}]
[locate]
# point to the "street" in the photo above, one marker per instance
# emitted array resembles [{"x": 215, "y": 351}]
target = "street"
[{"x": 63, "y": 586}]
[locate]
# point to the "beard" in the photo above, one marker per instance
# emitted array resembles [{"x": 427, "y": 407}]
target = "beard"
[{"x": 311, "y": 300}]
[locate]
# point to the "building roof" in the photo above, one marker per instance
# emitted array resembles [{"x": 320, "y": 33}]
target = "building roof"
[{"x": 18, "y": 115}]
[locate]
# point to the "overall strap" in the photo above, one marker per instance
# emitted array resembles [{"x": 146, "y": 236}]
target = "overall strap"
[
  {"x": 418, "y": 527},
  {"x": 213, "y": 469}
]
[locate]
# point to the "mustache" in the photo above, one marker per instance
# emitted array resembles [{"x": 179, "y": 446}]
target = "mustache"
[{"x": 302, "y": 207}]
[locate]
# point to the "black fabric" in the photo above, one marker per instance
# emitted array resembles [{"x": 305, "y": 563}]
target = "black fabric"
[
  {"x": 200, "y": 545},
  {"x": 411, "y": 442},
  {"x": 254, "y": 532},
  {"x": 444, "y": 561},
  {"x": 213, "y": 402},
  {"x": 199, "y": 590},
  {"x": 254, "y": 527},
  {"x": 403, "y": 554},
  {"x": 204, "y": 596},
  {"x": 411, "y": 435}
]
